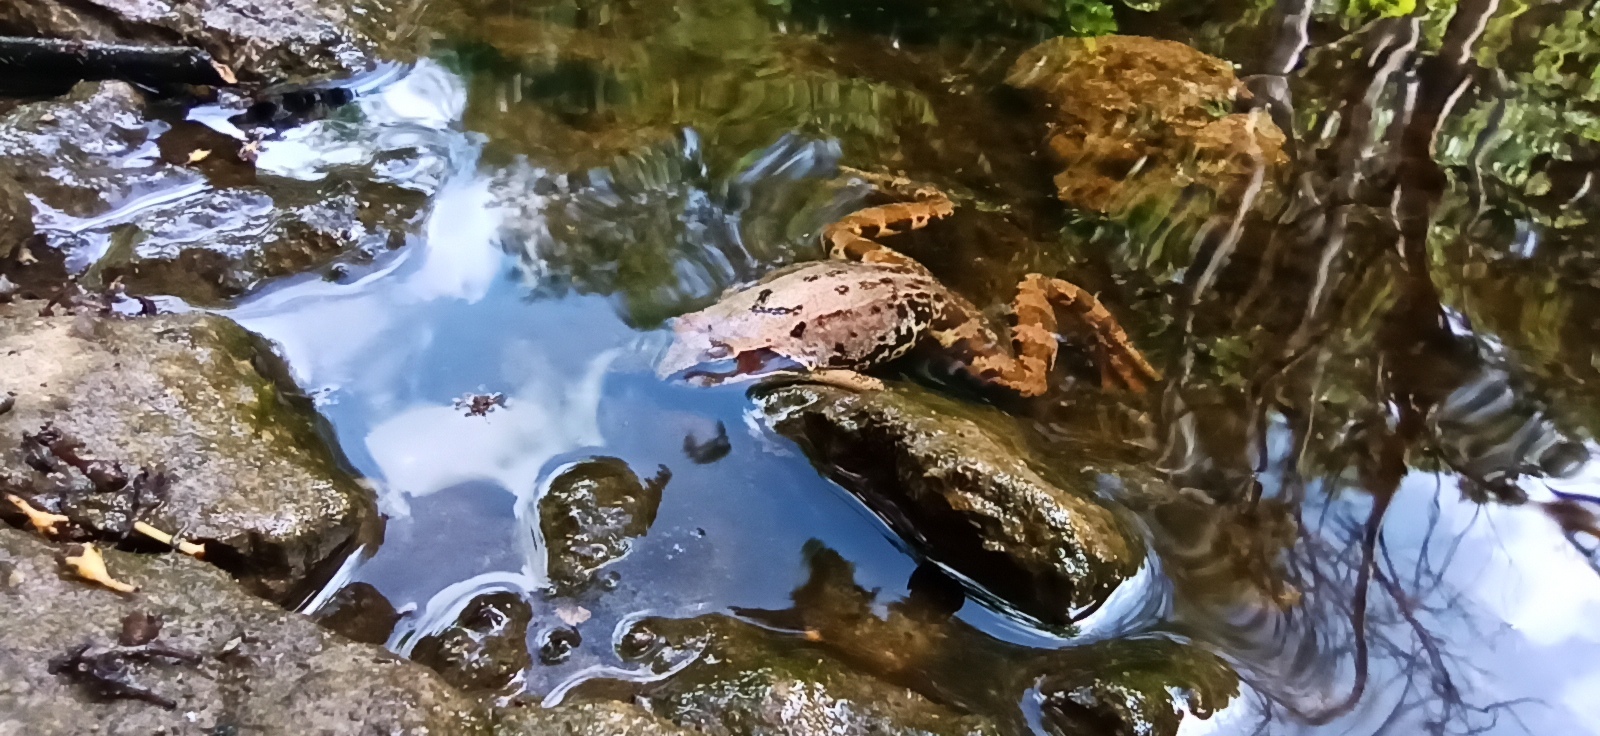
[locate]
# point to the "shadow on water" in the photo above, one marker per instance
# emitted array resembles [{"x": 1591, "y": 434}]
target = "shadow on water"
[{"x": 1367, "y": 480}]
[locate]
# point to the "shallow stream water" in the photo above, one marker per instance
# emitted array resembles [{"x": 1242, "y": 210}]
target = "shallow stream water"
[{"x": 1380, "y": 380}]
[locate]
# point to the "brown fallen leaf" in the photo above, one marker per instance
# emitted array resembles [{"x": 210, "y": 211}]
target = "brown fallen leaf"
[
  {"x": 43, "y": 522},
  {"x": 225, "y": 73},
  {"x": 91, "y": 566}
]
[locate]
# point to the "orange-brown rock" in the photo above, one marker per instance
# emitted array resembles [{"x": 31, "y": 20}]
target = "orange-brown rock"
[{"x": 1132, "y": 119}]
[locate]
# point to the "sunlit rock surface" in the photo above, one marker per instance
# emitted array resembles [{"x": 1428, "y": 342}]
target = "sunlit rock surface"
[
  {"x": 955, "y": 483},
  {"x": 262, "y": 40},
  {"x": 1135, "y": 118},
  {"x": 195, "y": 398},
  {"x": 176, "y": 208}
]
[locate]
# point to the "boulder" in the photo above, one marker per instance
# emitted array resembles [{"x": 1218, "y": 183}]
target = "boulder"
[
  {"x": 1132, "y": 119},
  {"x": 191, "y": 413},
  {"x": 956, "y": 483}
]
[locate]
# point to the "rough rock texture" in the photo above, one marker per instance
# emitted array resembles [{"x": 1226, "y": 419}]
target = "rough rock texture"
[
  {"x": 603, "y": 718},
  {"x": 1133, "y": 118},
  {"x": 261, "y": 670},
  {"x": 487, "y": 646},
  {"x": 16, "y": 216},
  {"x": 122, "y": 196},
  {"x": 187, "y": 395},
  {"x": 746, "y": 682},
  {"x": 955, "y": 483},
  {"x": 271, "y": 40},
  {"x": 590, "y": 516}
]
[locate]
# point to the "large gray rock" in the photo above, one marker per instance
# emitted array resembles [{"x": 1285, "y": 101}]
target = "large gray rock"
[
  {"x": 955, "y": 482},
  {"x": 260, "y": 669},
  {"x": 122, "y": 197},
  {"x": 273, "y": 40},
  {"x": 185, "y": 395}
]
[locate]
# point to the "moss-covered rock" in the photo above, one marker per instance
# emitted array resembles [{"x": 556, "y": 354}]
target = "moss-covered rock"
[
  {"x": 747, "y": 682},
  {"x": 955, "y": 482},
  {"x": 1134, "y": 687},
  {"x": 174, "y": 209},
  {"x": 590, "y": 516},
  {"x": 16, "y": 217},
  {"x": 1134, "y": 119},
  {"x": 195, "y": 399},
  {"x": 258, "y": 668}
]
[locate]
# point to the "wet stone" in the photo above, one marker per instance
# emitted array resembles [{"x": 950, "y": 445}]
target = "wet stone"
[
  {"x": 360, "y": 613},
  {"x": 485, "y": 648},
  {"x": 270, "y": 40},
  {"x": 746, "y": 682},
  {"x": 590, "y": 516},
  {"x": 182, "y": 422},
  {"x": 251, "y": 667},
  {"x": 956, "y": 483},
  {"x": 1133, "y": 119},
  {"x": 1134, "y": 687},
  {"x": 119, "y": 199}
]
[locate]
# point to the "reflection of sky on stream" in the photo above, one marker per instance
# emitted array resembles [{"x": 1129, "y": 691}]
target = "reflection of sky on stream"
[{"x": 389, "y": 352}]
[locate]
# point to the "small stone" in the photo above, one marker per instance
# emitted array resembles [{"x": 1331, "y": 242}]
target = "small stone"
[{"x": 559, "y": 644}]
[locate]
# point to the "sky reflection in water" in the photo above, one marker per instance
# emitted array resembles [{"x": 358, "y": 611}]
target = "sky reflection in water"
[{"x": 388, "y": 353}]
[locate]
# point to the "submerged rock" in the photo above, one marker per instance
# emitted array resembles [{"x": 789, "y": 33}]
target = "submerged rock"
[
  {"x": 955, "y": 483},
  {"x": 271, "y": 40},
  {"x": 746, "y": 682},
  {"x": 176, "y": 208},
  {"x": 256, "y": 668},
  {"x": 590, "y": 516},
  {"x": 194, "y": 401},
  {"x": 487, "y": 646},
  {"x": 1135, "y": 118},
  {"x": 1134, "y": 687}
]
